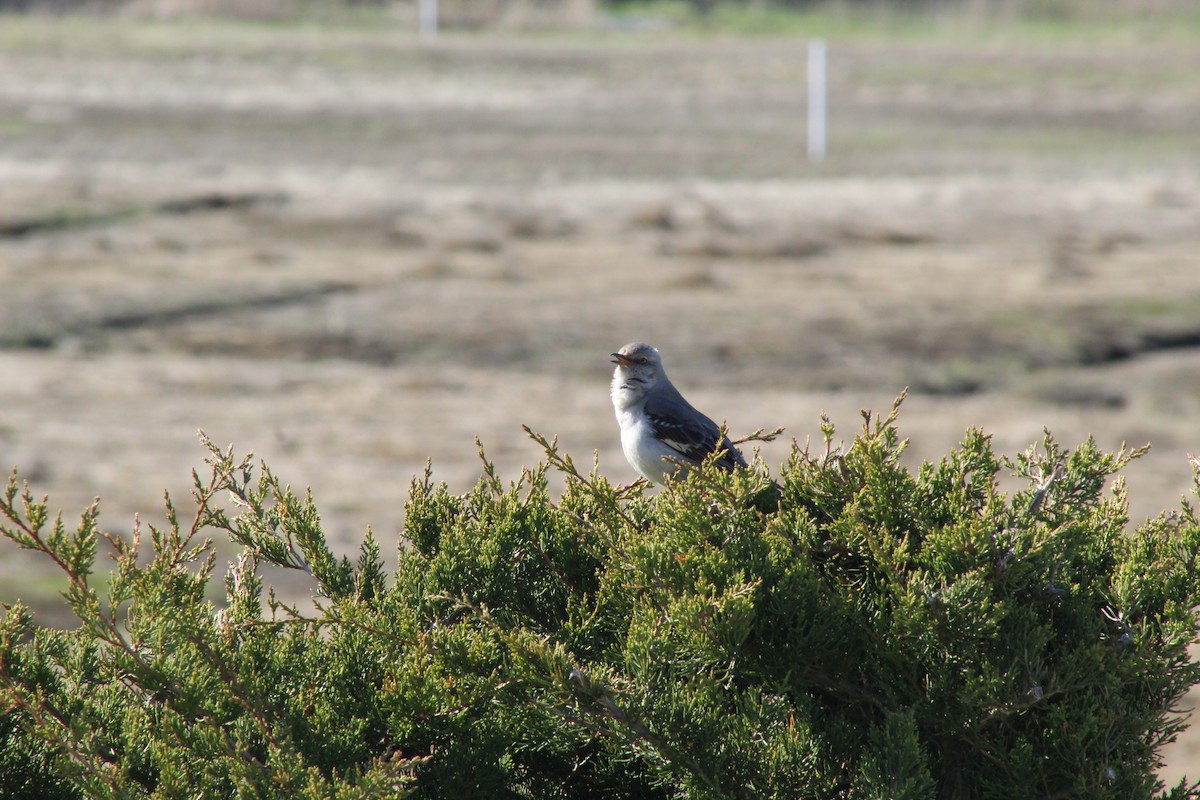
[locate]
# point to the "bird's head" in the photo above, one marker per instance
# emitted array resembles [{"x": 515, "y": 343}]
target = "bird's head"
[{"x": 638, "y": 361}]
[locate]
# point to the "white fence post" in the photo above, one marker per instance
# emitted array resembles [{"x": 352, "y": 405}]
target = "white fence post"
[
  {"x": 428, "y": 13},
  {"x": 816, "y": 100}
]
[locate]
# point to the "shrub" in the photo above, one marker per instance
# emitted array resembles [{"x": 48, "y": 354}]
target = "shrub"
[{"x": 855, "y": 630}]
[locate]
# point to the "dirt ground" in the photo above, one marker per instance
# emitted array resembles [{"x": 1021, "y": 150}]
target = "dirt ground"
[{"x": 350, "y": 253}]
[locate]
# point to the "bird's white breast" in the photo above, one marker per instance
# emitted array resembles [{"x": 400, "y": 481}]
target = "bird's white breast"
[{"x": 644, "y": 451}]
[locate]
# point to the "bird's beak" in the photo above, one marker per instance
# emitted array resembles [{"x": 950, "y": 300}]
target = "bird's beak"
[{"x": 620, "y": 359}]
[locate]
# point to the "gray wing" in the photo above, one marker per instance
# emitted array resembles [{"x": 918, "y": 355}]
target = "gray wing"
[{"x": 685, "y": 430}]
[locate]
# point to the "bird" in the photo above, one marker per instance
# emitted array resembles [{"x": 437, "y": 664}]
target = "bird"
[{"x": 661, "y": 432}]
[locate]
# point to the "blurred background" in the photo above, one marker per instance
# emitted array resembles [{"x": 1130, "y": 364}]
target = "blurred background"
[{"x": 324, "y": 237}]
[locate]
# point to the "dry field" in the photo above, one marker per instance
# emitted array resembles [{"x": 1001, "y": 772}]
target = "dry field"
[{"x": 349, "y": 252}]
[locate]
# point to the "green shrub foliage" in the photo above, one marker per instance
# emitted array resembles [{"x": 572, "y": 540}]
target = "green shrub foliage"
[{"x": 854, "y": 630}]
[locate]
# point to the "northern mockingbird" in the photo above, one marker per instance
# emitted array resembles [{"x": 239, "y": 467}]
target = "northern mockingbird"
[{"x": 660, "y": 431}]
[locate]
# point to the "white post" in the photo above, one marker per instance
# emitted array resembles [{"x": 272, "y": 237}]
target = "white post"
[
  {"x": 816, "y": 100},
  {"x": 428, "y": 12}
]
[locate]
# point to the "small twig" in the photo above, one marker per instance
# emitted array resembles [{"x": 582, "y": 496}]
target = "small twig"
[{"x": 760, "y": 435}]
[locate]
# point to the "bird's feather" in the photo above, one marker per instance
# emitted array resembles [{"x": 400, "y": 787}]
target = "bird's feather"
[{"x": 684, "y": 429}]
